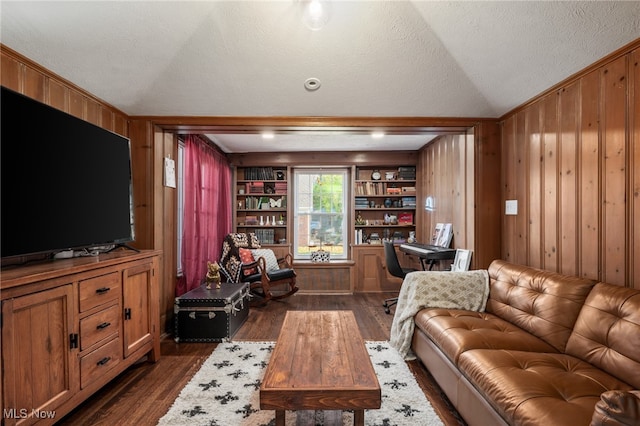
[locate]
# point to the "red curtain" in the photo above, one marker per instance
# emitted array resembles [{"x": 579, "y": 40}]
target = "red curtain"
[{"x": 207, "y": 210}]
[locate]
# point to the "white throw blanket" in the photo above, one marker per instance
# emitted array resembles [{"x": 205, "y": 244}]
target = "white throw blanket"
[{"x": 435, "y": 289}]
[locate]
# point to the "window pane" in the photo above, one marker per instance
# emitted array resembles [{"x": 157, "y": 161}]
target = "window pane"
[{"x": 319, "y": 217}]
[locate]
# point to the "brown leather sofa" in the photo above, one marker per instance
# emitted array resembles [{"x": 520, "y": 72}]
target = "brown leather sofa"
[{"x": 545, "y": 350}]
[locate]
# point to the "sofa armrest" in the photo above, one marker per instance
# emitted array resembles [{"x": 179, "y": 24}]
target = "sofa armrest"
[{"x": 617, "y": 408}]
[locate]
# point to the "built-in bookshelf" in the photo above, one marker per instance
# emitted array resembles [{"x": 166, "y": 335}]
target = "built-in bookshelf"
[
  {"x": 385, "y": 204},
  {"x": 261, "y": 203}
]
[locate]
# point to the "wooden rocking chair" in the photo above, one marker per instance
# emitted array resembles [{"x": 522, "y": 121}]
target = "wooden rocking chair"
[{"x": 244, "y": 260}]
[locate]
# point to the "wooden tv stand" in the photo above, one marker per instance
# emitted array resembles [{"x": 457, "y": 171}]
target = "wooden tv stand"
[{"x": 70, "y": 326}]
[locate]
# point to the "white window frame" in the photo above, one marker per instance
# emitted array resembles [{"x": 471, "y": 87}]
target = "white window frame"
[
  {"x": 301, "y": 215},
  {"x": 180, "y": 202}
]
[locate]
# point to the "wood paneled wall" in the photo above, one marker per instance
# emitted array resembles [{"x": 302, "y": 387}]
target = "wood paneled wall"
[
  {"x": 165, "y": 225},
  {"x": 26, "y": 77},
  {"x": 461, "y": 174},
  {"x": 156, "y": 205},
  {"x": 446, "y": 166},
  {"x": 571, "y": 159}
]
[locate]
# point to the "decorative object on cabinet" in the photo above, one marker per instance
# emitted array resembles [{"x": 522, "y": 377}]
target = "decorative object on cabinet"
[
  {"x": 275, "y": 203},
  {"x": 213, "y": 274},
  {"x": 375, "y": 175},
  {"x": 390, "y": 219},
  {"x": 398, "y": 238},
  {"x": 405, "y": 218},
  {"x": 320, "y": 256},
  {"x": 374, "y": 238}
]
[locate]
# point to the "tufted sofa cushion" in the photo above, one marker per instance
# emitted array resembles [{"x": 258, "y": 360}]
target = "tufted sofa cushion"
[
  {"x": 607, "y": 332},
  {"x": 546, "y": 304},
  {"x": 536, "y": 388},
  {"x": 617, "y": 408},
  {"x": 456, "y": 331}
]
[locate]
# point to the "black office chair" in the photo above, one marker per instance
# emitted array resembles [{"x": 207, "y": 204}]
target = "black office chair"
[{"x": 394, "y": 268}]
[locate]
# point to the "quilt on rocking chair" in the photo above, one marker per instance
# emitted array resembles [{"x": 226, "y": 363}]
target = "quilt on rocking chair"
[
  {"x": 230, "y": 261},
  {"x": 242, "y": 259}
]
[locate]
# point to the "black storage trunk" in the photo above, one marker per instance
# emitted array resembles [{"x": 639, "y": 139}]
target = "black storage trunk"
[{"x": 213, "y": 315}]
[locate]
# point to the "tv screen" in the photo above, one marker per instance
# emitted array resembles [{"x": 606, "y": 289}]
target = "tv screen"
[{"x": 66, "y": 183}]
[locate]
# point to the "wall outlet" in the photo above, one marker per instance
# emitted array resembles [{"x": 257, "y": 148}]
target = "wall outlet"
[{"x": 511, "y": 207}]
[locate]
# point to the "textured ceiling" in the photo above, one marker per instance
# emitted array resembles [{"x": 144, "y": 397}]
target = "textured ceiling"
[{"x": 373, "y": 58}]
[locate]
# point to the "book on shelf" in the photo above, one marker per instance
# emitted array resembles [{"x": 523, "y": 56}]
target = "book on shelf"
[
  {"x": 251, "y": 203},
  {"x": 362, "y": 203},
  {"x": 408, "y": 201},
  {"x": 251, "y": 220},
  {"x": 265, "y": 236},
  {"x": 262, "y": 173},
  {"x": 256, "y": 203},
  {"x": 406, "y": 173},
  {"x": 281, "y": 187},
  {"x": 254, "y": 187},
  {"x": 405, "y": 218},
  {"x": 370, "y": 188}
]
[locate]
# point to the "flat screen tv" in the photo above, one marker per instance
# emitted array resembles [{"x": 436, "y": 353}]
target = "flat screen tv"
[{"x": 66, "y": 183}]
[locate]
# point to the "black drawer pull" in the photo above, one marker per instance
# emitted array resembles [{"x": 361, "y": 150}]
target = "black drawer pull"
[
  {"x": 104, "y": 360},
  {"x": 102, "y": 290},
  {"x": 103, "y": 325}
]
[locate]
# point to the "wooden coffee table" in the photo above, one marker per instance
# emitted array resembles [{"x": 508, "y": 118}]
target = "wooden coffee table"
[{"x": 320, "y": 362}]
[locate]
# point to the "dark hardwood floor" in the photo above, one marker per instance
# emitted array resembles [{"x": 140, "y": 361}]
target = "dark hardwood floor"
[{"x": 143, "y": 393}]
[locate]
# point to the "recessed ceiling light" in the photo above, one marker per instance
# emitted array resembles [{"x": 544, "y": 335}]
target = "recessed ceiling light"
[
  {"x": 268, "y": 135},
  {"x": 316, "y": 14},
  {"x": 377, "y": 135}
]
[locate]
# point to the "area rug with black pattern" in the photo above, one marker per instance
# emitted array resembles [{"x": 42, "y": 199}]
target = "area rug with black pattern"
[{"x": 225, "y": 391}]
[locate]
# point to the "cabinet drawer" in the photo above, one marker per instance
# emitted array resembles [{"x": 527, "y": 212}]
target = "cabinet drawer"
[
  {"x": 99, "y": 326},
  {"x": 99, "y": 290},
  {"x": 96, "y": 363}
]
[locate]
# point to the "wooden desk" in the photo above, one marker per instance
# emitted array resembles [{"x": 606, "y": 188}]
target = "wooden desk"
[{"x": 320, "y": 362}]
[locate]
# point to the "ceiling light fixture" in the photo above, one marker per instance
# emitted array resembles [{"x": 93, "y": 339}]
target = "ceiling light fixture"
[
  {"x": 316, "y": 14},
  {"x": 377, "y": 135},
  {"x": 268, "y": 135}
]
